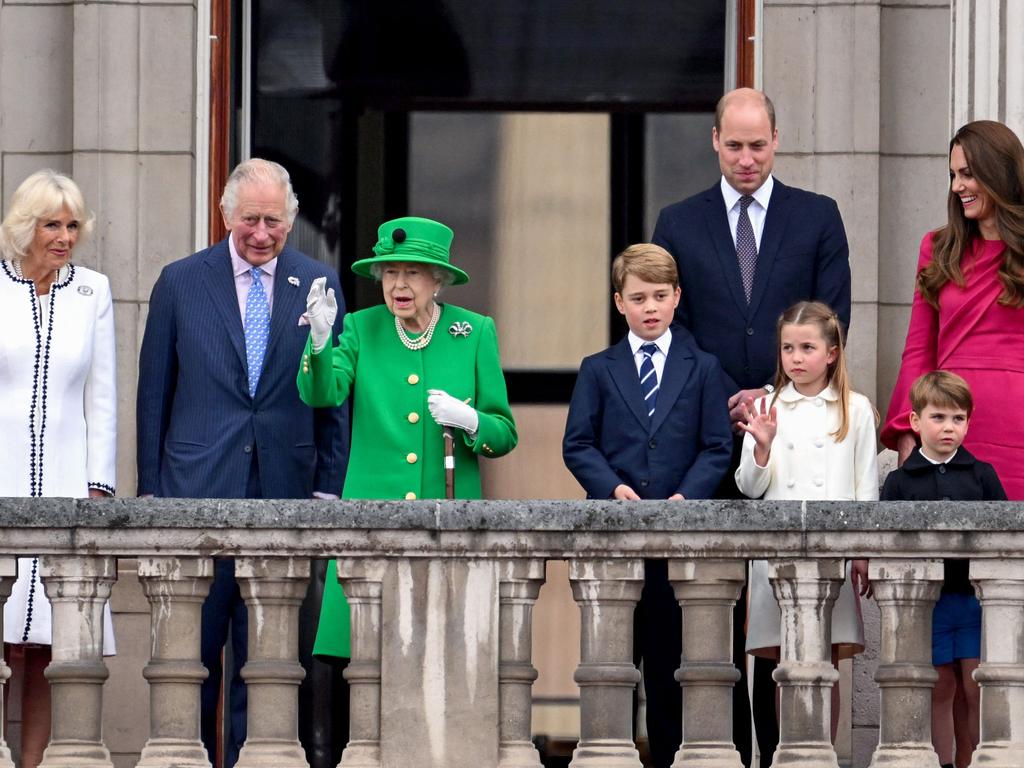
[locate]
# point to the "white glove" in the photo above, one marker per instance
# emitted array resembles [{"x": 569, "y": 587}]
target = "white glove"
[
  {"x": 450, "y": 412},
  {"x": 321, "y": 311}
]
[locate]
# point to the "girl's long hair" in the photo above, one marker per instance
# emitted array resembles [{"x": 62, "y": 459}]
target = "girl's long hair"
[
  {"x": 821, "y": 315},
  {"x": 995, "y": 158}
]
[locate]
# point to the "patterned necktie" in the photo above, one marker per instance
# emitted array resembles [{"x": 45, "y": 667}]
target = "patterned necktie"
[
  {"x": 648, "y": 377},
  {"x": 257, "y": 327},
  {"x": 746, "y": 247}
]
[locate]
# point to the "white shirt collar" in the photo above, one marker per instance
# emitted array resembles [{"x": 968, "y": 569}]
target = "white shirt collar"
[
  {"x": 929, "y": 459},
  {"x": 240, "y": 266},
  {"x": 663, "y": 342},
  {"x": 790, "y": 394},
  {"x": 762, "y": 194}
]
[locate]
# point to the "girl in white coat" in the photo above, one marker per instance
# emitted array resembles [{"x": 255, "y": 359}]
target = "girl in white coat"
[{"x": 814, "y": 439}]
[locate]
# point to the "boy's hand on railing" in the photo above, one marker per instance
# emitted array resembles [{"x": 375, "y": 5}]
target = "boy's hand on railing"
[
  {"x": 861, "y": 582},
  {"x": 623, "y": 492}
]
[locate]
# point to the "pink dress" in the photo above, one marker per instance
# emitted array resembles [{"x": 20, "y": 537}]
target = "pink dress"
[{"x": 972, "y": 335}]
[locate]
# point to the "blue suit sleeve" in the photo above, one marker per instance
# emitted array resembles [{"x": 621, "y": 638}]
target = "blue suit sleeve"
[
  {"x": 712, "y": 462},
  {"x": 158, "y": 374},
  {"x": 331, "y": 425},
  {"x": 580, "y": 444},
  {"x": 832, "y": 267}
]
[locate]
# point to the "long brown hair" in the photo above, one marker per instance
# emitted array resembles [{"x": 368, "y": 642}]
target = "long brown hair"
[
  {"x": 995, "y": 157},
  {"x": 821, "y": 315}
]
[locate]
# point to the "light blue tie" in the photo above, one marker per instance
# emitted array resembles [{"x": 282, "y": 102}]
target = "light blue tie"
[
  {"x": 649, "y": 377},
  {"x": 257, "y": 328}
]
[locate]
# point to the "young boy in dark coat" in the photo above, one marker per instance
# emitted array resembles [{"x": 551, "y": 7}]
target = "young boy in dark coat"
[
  {"x": 942, "y": 469},
  {"x": 649, "y": 420}
]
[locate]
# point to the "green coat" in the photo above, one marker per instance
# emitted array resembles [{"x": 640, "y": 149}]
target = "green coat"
[{"x": 397, "y": 448}]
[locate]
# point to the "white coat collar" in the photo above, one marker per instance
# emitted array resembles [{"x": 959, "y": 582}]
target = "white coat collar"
[{"x": 789, "y": 394}]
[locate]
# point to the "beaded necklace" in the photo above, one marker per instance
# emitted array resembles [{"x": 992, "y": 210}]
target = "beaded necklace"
[{"x": 424, "y": 338}]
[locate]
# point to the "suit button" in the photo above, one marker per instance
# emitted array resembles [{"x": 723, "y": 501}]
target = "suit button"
[
  {"x": 818, "y": 482},
  {"x": 790, "y": 483},
  {"x": 413, "y": 379},
  {"x": 413, "y": 417},
  {"x": 643, "y": 483},
  {"x": 818, "y": 401},
  {"x": 248, "y": 449},
  {"x": 790, "y": 446},
  {"x": 750, "y": 331},
  {"x": 410, "y": 496},
  {"x": 942, "y": 469},
  {"x": 819, "y": 443},
  {"x": 411, "y": 458},
  {"x": 653, "y": 444}
]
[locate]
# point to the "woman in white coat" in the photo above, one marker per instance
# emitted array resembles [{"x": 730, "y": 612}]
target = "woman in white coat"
[{"x": 58, "y": 414}]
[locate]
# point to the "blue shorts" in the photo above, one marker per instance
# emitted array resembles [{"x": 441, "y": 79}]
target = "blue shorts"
[{"x": 956, "y": 629}]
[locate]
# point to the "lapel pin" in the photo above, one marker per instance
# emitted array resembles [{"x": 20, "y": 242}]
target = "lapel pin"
[
  {"x": 462, "y": 328},
  {"x": 85, "y": 290},
  {"x": 293, "y": 280}
]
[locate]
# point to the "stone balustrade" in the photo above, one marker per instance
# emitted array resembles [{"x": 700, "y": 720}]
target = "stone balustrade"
[{"x": 441, "y": 597}]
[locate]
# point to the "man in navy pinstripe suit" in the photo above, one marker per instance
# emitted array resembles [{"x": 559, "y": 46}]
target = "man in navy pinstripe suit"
[{"x": 218, "y": 412}]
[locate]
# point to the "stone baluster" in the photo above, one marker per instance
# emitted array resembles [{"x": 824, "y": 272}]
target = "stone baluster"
[
  {"x": 8, "y": 573},
  {"x": 1000, "y": 587},
  {"x": 77, "y": 587},
  {"x": 707, "y": 590},
  {"x": 273, "y": 588},
  {"x": 806, "y": 591},
  {"x": 905, "y": 591},
  {"x": 519, "y": 583},
  {"x": 607, "y": 592},
  {"x": 362, "y": 579},
  {"x": 176, "y": 588}
]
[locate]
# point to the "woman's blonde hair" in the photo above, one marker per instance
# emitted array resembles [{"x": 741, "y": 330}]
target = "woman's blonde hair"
[
  {"x": 42, "y": 195},
  {"x": 821, "y": 315}
]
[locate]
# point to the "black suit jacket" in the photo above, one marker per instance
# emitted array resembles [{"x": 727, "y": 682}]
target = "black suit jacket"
[
  {"x": 803, "y": 256},
  {"x": 683, "y": 448}
]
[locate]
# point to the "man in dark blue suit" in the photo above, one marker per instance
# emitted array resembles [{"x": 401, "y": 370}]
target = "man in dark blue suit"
[
  {"x": 648, "y": 420},
  {"x": 747, "y": 249},
  {"x": 218, "y": 412}
]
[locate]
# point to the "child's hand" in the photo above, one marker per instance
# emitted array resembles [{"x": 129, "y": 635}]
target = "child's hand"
[
  {"x": 859, "y": 577},
  {"x": 676, "y": 497},
  {"x": 762, "y": 425},
  {"x": 623, "y": 492}
]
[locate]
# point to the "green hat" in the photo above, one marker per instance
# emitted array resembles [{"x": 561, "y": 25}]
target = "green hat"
[{"x": 412, "y": 239}]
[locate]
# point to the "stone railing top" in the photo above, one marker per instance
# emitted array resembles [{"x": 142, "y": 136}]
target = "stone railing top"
[{"x": 537, "y": 528}]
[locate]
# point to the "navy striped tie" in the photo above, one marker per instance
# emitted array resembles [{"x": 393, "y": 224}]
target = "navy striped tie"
[{"x": 648, "y": 377}]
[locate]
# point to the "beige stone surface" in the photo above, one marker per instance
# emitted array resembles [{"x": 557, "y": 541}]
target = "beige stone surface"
[
  {"x": 106, "y": 77},
  {"x": 125, "y": 324},
  {"x": 36, "y": 78},
  {"x": 861, "y": 347},
  {"x": 17, "y": 167},
  {"x": 165, "y": 214},
  {"x": 166, "y": 78}
]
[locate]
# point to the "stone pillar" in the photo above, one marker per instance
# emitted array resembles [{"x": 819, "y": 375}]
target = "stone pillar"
[
  {"x": 77, "y": 588},
  {"x": 806, "y": 591},
  {"x": 607, "y": 592},
  {"x": 273, "y": 588},
  {"x": 988, "y": 62},
  {"x": 176, "y": 588},
  {"x": 362, "y": 579},
  {"x": 707, "y": 590},
  {"x": 1000, "y": 587},
  {"x": 519, "y": 583},
  {"x": 905, "y": 591},
  {"x": 8, "y": 573}
]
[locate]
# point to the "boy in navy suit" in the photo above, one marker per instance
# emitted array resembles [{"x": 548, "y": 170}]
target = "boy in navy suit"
[
  {"x": 942, "y": 468},
  {"x": 649, "y": 420}
]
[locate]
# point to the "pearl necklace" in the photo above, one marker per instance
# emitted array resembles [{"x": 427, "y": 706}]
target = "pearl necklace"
[
  {"x": 425, "y": 337},
  {"x": 16, "y": 263}
]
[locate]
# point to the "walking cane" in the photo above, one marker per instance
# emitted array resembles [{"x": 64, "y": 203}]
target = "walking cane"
[{"x": 449, "y": 463}]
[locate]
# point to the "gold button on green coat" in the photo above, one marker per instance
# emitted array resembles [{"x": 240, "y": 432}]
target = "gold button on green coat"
[{"x": 371, "y": 361}]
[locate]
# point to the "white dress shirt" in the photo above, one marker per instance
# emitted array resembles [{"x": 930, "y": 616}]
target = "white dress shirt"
[
  {"x": 663, "y": 342},
  {"x": 757, "y": 210}
]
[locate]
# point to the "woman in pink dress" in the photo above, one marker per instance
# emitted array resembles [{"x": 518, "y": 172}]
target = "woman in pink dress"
[
  {"x": 967, "y": 318},
  {"x": 967, "y": 315}
]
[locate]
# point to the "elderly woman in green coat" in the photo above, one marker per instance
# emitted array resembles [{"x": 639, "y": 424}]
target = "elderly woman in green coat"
[{"x": 414, "y": 366}]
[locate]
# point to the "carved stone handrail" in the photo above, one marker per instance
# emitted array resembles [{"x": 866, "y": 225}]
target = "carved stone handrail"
[{"x": 441, "y": 595}]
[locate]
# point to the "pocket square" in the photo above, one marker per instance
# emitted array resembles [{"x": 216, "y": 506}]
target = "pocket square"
[{"x": 303, "y": 319}]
